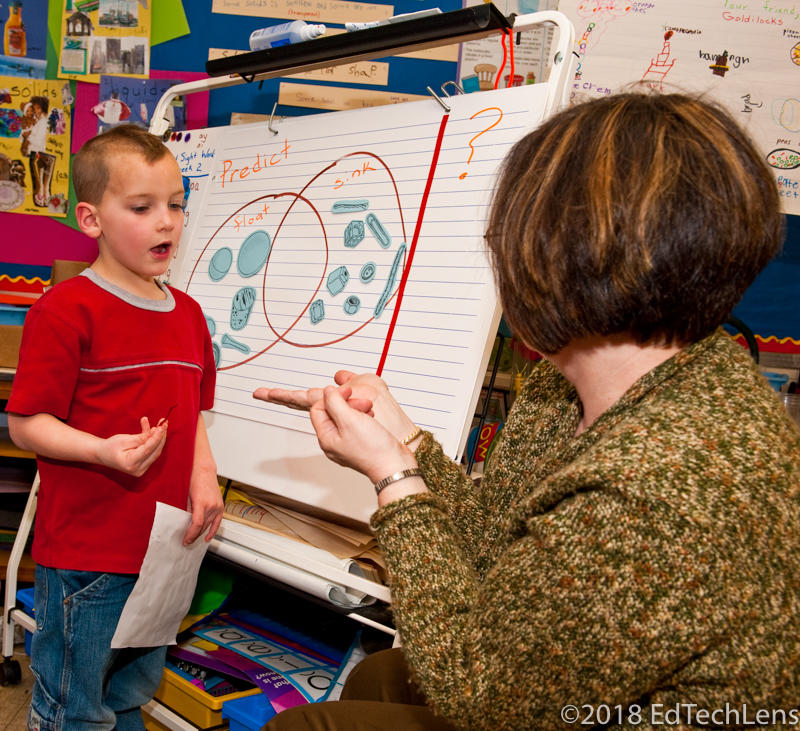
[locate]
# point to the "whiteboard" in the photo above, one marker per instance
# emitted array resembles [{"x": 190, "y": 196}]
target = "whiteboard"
[{"x": 347, "y": 240}]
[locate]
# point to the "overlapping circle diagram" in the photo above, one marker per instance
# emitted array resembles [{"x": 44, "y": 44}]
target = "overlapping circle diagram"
[{"x": 309, "y": 268}]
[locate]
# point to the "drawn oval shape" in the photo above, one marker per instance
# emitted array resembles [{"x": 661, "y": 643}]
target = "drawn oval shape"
[
  {"x": 217, "y": 354},
  {"x": 367, "y": 272},
  {"x": 220, "y": 263},
  {"x": 253, "y": 253},
  {"x": 790, "y": 115},
  {"x": 212, "y": 326}
]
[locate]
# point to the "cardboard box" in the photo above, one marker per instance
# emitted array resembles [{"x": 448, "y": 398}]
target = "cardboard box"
[
  {"x": 10, "y": 340},
  {"x": 64, "y": 269}
]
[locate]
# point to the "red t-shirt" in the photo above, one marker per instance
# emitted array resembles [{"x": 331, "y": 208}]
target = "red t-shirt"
[{"x": 100, "y": 358}]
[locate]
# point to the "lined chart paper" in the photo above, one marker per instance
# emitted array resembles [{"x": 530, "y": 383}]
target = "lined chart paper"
[{"x": 354, "y": 240}]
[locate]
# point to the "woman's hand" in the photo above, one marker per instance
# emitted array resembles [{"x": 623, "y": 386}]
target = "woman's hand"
[
  {"x": 367, "y": 393},
  {"x": 304, "y": 400},
  {"x": 384, "y": 407},
  {"x": 351, "y": 438}
]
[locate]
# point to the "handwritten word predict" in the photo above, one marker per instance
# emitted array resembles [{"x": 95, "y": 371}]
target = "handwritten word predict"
[{"x": 229, "y": 171}]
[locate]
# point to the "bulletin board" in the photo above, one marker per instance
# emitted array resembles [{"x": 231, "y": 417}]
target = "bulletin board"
[{"x": 209, "y": 24}]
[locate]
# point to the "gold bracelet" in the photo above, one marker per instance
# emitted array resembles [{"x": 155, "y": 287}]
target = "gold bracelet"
[
  {"x": 411, "y": 437},
  {"x": 396, "y": 477}
]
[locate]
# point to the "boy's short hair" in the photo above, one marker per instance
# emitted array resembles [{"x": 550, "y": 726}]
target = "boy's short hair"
[
  {"x": 639, "y": 213},
  {"x": 90, "y": 166}
]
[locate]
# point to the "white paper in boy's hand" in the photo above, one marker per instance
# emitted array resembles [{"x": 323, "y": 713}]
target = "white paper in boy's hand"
[{"x": 163, "y": 592}]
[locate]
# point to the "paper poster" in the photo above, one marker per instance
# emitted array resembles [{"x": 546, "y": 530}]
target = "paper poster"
[
  {"x": 168, "y": 21},
  {"x": 336, "y": 98},
  {"x": 483, "y": 58},
  {"x": 87, "y": 96},
  {"x": 320, "y": 11},
  {"x": 24, "y": 51},
  {"x": 123, "y": 100},
  {"x": 745, "y": 55},
  {"x": 104, "y": 37},
  {"x": 35, "y": 120}
]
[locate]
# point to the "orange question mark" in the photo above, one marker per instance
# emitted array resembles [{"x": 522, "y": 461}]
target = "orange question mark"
[{"x": 494, "y": 124}]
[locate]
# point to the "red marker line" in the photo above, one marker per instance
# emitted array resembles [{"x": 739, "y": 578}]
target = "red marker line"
[{"x": 407, "y": 268}]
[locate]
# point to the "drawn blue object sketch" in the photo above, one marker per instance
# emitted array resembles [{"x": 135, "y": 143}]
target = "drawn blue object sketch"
[
  {"x": 229, "y": 342},
  {"x": 317, "y": 312},
  {"x": 350, "y": 206},
  {"x": 220, "y": 263},
  {"x": 241, "y": 307},
  {"x": 387, "y": 290},
  {"x": 253, "y": 253},
  {"x": 354, "y": 234},
  {"x": 352, "y": 304},
  {"x": 367, "y": 273},
  {"x": 378, "y": 230},
  {"x": 337, "y": 280}
]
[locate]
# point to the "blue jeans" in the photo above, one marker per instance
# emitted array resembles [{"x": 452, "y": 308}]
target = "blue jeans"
[{"x": 80, "y": 683}]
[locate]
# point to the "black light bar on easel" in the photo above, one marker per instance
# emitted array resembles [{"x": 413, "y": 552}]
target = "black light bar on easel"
[{"x": 384, "y": 40}]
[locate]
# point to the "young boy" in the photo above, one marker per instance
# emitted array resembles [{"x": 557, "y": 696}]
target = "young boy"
[{"x": 114, "y": 371}]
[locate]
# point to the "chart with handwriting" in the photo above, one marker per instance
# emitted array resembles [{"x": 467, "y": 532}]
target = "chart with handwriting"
[{"x": 351, "y": 240}]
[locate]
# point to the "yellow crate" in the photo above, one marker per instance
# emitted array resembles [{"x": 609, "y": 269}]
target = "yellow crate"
[{"x": 195, "y": 705}]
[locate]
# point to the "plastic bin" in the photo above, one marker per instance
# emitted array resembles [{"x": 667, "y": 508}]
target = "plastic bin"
[
  {"x": 248, "y": 714},
  {"x": 25, "y": 599},
  {"x": 194, "y": 704}
]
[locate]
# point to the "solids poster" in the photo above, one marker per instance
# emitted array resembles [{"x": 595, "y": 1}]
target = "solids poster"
[{"x": 35, "y": 119}]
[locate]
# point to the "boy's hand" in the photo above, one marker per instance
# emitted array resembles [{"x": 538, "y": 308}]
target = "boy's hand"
[
  {"x": 206, "y": 506},
  {"x": 205, "y": 500},
  {"x": 133, "y": 453}
]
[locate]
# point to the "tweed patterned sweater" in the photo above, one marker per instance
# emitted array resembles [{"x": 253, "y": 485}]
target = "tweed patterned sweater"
[{"x": 652, "y": 560}]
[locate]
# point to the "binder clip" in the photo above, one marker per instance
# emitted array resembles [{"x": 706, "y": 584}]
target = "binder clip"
[
  {"x": 438, "y": 99},
  {"x": 455, "y": 84}
]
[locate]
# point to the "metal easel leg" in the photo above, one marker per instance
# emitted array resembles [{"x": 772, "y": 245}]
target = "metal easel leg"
[{"x": 11, "y": 670}]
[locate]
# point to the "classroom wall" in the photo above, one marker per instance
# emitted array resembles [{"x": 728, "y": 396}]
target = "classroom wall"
[
  {"x": 38, "y": 240},
  {"x": 768, "y": 306}
]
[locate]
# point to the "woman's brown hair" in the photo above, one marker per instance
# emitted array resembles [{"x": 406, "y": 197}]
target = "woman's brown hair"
[{"x": 639, "y": 213}]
